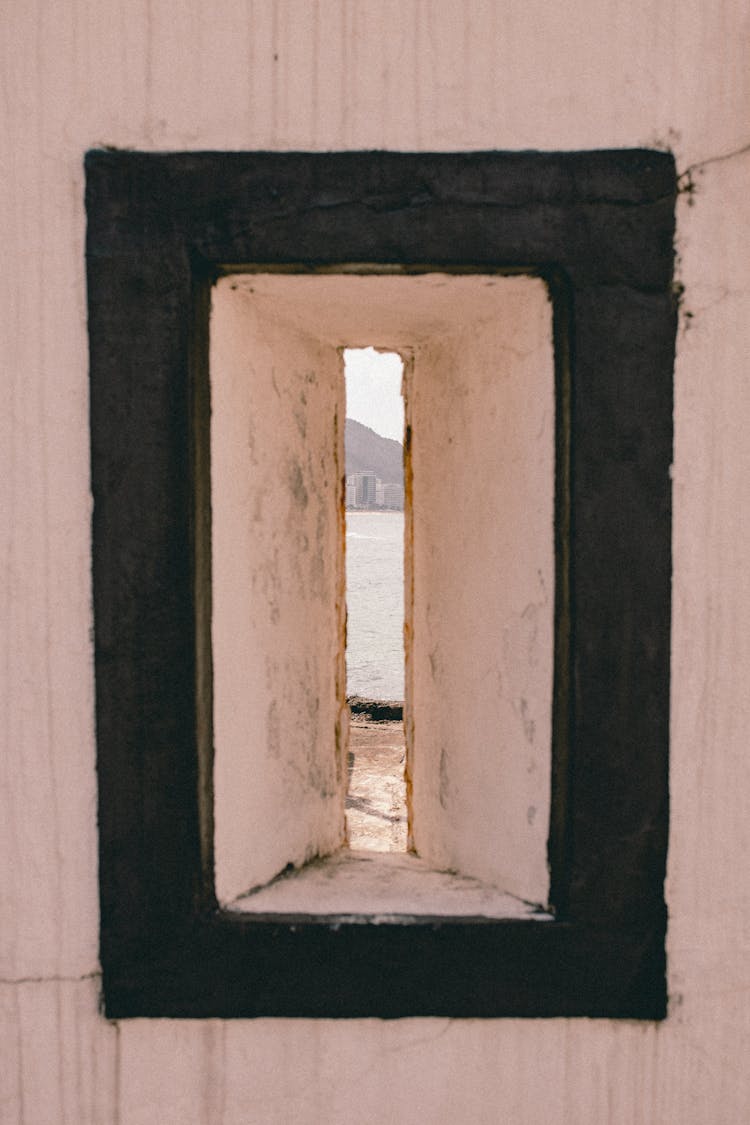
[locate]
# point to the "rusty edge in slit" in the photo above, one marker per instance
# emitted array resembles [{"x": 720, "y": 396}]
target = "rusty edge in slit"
[
  {"x": 407, "y": 391},
  {"x": 342, "y": 715}
]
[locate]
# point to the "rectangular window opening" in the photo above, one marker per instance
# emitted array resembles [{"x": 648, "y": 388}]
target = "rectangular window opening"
[
  {"x": 530, "y": 295},
  {"x": 397, "y": 766}
]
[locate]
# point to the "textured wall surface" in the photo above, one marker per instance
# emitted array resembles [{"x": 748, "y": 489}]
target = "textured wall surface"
[
  {"x": 399, "y": 74},
  {"x": 280, "y": 776},
  {"x": 481, "y": 411}
]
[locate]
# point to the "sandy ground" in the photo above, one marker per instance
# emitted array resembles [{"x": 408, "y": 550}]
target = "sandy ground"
[{"x": 376, "y": 804}]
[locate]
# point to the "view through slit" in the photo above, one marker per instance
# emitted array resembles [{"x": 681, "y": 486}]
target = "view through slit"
[{"x": 376, "y": 812}]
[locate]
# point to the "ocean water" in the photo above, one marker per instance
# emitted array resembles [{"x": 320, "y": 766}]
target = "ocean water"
[{"x": 375, "y": 604}]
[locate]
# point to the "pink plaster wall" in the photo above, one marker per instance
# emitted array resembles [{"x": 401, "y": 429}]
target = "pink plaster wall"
[{"x": 399, "y": 74}]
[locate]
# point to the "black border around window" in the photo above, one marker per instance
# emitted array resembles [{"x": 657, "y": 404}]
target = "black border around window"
[{"x": 598, "y": 226}]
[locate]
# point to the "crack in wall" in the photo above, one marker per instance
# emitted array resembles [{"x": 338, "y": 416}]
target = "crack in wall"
[
  {"x": 685, "y": 179},
  {"x": 698, "y": 165},
  {"x": 95, "y": 975}
]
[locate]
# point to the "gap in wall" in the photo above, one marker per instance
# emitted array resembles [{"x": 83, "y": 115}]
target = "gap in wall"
[
  {"x": 479, "y": 562},
  {"x": 376, "y": 802}
]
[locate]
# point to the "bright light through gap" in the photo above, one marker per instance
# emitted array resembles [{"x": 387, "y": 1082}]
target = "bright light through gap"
[{"x": 376, "y": 800}]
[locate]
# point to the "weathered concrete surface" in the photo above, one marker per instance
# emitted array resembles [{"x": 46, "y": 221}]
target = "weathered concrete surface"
[
  {"x": 277, "y": 399},
  {"x": 394, "y": 75},
  {"x": 375, "y": 887},
  {"x": 376, "y": 801},
  {"x": 375, "y": 875}
]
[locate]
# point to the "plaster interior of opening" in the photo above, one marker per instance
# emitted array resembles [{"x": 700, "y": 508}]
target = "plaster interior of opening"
[{"x": 479, "y": 558}]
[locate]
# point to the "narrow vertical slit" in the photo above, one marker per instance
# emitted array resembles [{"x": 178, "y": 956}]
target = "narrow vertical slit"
[
  {"x": 407, "y": 391},
  {"x": 376, "y": 804}
]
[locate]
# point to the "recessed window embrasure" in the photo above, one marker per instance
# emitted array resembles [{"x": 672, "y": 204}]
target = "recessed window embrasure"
[
  {"x": 479, "y": 579},
  {"x": 537, "y": 576}
]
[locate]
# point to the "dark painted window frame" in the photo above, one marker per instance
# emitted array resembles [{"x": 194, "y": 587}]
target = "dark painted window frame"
[{"x": 598, "y": 226}]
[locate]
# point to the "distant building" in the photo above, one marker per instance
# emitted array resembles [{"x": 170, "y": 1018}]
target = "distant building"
[
  {"x": 393, "y": 496},
  {"x": 365, "y": 490}
]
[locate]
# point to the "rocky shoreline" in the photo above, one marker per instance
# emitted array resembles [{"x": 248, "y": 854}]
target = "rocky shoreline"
[{"x": 376, "y": 710}]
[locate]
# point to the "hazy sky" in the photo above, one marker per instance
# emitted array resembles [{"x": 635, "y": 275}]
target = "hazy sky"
[{"x": 373, "y": 390}]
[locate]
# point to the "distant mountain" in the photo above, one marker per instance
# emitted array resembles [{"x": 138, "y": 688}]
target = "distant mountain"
[{"x": 366, "y": 450}]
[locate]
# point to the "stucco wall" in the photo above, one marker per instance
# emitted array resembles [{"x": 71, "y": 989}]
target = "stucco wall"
[
  {"x": 278, "y": 613},
  {"x": 400, "y": 74}
]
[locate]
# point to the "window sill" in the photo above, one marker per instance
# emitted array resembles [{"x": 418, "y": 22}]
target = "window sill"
[{"x": 377, "y": 887}]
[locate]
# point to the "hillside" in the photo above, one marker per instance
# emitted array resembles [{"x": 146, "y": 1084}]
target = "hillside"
[{"x": 366, "y": 450}]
